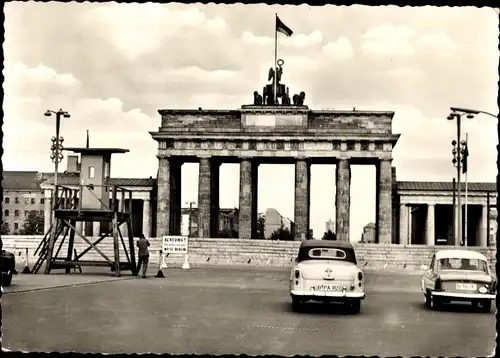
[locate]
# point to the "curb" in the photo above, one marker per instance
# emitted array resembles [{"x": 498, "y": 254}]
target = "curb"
[{"x": 67, "y": 285}]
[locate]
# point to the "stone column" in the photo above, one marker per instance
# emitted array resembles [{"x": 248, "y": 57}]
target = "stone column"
[
  {"x": 214, "y": 198},
  {"x": 384, "y": 195},
  {"x": 255, "y": 179},
  {"x": 403, "y": 224},
  {"x": 163, "y": 198},
  {"x": 204, "y": 197},
  {"x": 47, "y": 212},
  {"x": 343, "y": 199},
  {"x": 246, "y": 200},
  {"x": 430, "y": 236},
  {"x": 175, "y": 197},
  {"x": 302, "y": 200},
  {"x": 146, "y": 217},
  {"x": 483, "y": 238}
]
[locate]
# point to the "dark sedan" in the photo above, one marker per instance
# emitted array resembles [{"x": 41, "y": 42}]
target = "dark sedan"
[{"x": 8, "y": 266}]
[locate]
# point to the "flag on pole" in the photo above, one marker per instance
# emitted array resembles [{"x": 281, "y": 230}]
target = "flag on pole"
[
  {"x": 281, "y": 27},
  {"x": 465, "y": 156}
]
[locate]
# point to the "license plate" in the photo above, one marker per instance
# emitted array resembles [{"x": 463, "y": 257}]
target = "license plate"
[
  {"x": 326, "y": 288},
  {"x": 466, "y": 286}
]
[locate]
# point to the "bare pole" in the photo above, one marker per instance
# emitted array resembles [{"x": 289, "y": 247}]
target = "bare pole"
[
  {"x": 454, "y": 226},
  {"x": 275, "y": 59},
  {"x": 466, "y": 193},
  {"x": 459, "y": 204}
]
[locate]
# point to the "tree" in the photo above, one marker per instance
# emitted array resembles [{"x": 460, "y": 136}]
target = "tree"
[
  {"x": 33, "y": 224},
  {"x": 5, "y": 228},
  {"x": 282, "y": 234},
  {"x": 261, "y": 227},
  {"x": 329, "y": 235}
]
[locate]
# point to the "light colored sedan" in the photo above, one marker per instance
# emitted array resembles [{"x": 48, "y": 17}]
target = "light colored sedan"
[
  {"x": 459, "y": 275},
  {"x": 327, "y": 271}
]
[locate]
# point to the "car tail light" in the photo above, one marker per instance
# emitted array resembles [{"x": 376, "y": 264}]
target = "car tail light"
[
  {"x": 297, "y": 273},
  {"x": 360, "y": 276},
  {"x": 438, "y": 285}
]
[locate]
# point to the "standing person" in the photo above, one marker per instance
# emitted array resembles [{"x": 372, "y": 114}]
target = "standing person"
[{"x": 143, "y": 244}]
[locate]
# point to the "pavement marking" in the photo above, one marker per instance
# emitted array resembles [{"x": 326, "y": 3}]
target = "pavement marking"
[{"x": 288, "y": 329}]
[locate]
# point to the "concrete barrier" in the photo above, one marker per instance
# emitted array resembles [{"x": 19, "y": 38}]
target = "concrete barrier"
[{"x": 248, "y": 252}]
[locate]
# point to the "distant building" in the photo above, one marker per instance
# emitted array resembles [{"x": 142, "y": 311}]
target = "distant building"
[
  {"x": 228, "y": 221},
  {"x": 330, "y": 225},
  {"x": 274, "y": 221},
  {"x": 368, "y": 233},
  {"x": 21, "y": 195}
]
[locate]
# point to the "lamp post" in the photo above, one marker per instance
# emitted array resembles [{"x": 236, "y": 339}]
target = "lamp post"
[
  {"x": 56, "y": 157},
  {"x": 190, "y": 203},
  {"x": 457, "y": 162},
  {"x": 457, "y": 112}
]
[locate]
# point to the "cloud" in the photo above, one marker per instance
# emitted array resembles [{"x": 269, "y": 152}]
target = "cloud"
[
  {"x": 339, "y": 50},
  {"x": 139, "y": 29},
  {"x": 388, "y": 40},
  {"x": 296, "y": 40},
  {"x": 436, "y": 44},
  {"x": 23, "y": 80}
]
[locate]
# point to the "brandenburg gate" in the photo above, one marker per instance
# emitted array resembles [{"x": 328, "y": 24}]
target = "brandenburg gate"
[{"x": 273, "y": 130}]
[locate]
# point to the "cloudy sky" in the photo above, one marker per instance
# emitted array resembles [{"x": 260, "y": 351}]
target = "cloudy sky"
[{"x": 112, "y": 66}]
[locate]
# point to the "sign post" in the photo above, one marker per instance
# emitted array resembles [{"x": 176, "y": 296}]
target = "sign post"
[{"x": 176, "y": 245}]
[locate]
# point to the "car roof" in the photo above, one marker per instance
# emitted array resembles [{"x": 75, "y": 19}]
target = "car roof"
[
  {"x": 326, "y": 243},
  {"x": 462, "y": 254}
]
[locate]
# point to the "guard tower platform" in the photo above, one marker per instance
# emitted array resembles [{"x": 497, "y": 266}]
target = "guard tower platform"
[{"x": 94, "y": 200}]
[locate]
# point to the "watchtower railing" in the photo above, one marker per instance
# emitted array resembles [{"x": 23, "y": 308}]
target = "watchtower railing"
[{"x": 70, "y": 198}]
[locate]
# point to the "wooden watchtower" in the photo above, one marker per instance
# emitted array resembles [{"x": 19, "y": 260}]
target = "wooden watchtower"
[{"x": 94, "y": 201}]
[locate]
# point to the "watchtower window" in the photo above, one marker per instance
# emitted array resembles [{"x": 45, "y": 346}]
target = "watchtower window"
[{"x": 91, "y": 172}]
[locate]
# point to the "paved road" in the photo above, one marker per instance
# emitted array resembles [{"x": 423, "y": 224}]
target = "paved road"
[{"x": 233, "y": 311}]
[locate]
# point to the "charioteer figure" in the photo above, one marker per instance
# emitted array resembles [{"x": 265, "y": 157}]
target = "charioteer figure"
[{"x": 270, "y": 97}]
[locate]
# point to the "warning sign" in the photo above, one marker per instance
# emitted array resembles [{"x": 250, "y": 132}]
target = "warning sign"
[{"x": 175, "y": 244}]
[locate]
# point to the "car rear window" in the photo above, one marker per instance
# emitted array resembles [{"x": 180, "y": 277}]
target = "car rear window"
[
  {"x": 452, "y": 263},
  {"x": 327, "y": 253}
]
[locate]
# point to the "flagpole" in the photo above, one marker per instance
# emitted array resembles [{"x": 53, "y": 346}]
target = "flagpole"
[
  {"x": 466, "y": 173},
  {"x": 275, "y": 57}
]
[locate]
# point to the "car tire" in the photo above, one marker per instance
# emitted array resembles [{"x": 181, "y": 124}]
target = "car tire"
[
  {"x": 6, "y": 279},
  {"x": 435, "y": 302},
  {"x": 354, "y": 306},
  {"x": 486, "y": 306},
  {"x": 296, "y": 305},
  {"x": 428, "y": 300}
]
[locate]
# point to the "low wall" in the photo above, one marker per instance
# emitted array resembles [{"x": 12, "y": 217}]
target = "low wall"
[{"x": 249, "y": 252}]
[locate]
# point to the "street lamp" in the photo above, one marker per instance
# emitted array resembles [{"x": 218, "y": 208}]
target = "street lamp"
[
  {"x": 56, "y": 157},
  {"x": 458, "y": 112},
  {"x": 190, "y": 203},
  {"x": 457, "y": 146}
]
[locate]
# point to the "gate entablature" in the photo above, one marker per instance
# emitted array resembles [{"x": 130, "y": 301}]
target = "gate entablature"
[{"x": 299, "y": 120}]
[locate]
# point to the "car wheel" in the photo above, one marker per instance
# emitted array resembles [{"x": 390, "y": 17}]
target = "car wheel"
[
  {"x": 354, "y": 306},
  {"x": 6, "y": 279},
  {"x": 427, "y": 299},
  {"x": 486, "y": 306},
  {"x": 296, "y": 305}
]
